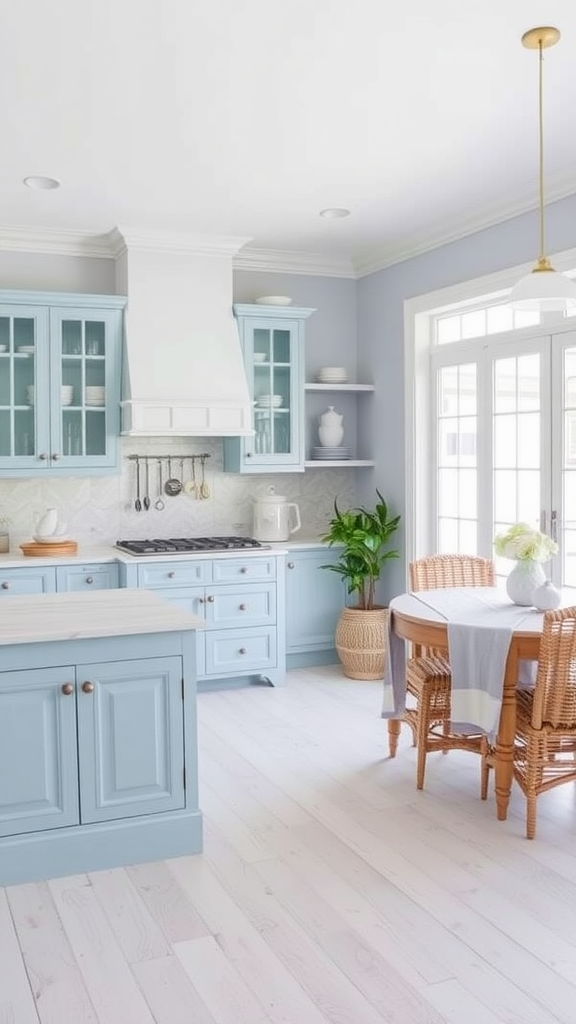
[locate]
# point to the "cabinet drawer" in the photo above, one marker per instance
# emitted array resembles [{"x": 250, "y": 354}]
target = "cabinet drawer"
[
  {"x": 227, "y": 570},
  {"x": 86, "y": 577},
  {"x": 28, "y": 581},
  {"x": 238, "y": 651},
  {"x": 250, "y": 605},
  {"x": 171, "y": 574}
]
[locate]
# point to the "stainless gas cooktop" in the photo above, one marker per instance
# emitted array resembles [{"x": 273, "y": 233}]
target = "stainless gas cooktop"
[{"x": 187, "y": 545}]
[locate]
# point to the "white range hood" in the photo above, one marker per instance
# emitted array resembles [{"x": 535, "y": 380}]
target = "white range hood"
[{"x": 183, "y": 368}]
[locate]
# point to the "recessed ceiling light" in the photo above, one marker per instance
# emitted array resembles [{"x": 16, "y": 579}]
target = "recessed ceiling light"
[
  {"x": 334, "y": 212},
  {"x": 41, "y": 182}
]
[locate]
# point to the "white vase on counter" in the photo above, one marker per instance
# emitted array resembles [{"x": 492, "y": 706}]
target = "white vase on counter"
[
  {"x": 525, "y": 577},
  {"x": 47, "y": 524}
]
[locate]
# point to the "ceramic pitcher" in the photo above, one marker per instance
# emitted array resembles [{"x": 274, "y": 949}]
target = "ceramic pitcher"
[{"x": 331, "y": 430}]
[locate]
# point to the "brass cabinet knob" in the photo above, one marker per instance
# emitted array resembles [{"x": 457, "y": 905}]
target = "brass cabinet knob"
[
  {"x": 171, "y": 575},
  {"x": 5, "y": 586},
  {"x": 55, "y": 457},
  {"x": 242, "y": 651},
  {"x": 244, "y": 569},
  {"x": 243, "y": 607},
  {"x": 290, "y": 565},
  {"x": 210, "y": 598},
  {"x": 87, "y": 687},
  {"x": 248, "y": 455},
  {"x": 89, "y": 579},
  {"x": 67, "y": 689},
  {"x": 43, "y": 457}
]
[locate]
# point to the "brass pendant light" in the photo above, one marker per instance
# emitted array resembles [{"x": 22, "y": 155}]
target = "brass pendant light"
[{"x": 543, "y": 289}]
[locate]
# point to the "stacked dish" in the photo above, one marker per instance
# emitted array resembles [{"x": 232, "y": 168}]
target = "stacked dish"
[
  {"x": 66, "y": 394},
  {"x": 259, "y": 357},
  {"x": 274, "y": 300},
  {"x": 269, "y": 401},
  {"x": 332, "y": 375},
  {"x": 334, "y": 453},
  {"x": 26, "y": 349},
  {"x": 94, "y": 395}
]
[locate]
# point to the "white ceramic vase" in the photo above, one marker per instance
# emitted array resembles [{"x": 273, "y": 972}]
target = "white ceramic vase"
[
  {"x": 331, "y": 430},
  {"x": 47, "y": 523},
  {"x": 525, "y": 577},
  {"x": 546, "y": 598}
]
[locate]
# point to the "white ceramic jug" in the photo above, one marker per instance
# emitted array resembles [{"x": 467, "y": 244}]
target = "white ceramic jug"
[
  {"x": 275, "y": 518},
  {"x": 47, "y": 524},
  {"x": 331, "y": 430}
]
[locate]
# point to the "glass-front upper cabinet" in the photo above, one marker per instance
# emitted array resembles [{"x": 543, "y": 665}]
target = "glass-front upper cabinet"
[
  {"x": 59, "y": 383},
  {"x": 272, "y": 339}
]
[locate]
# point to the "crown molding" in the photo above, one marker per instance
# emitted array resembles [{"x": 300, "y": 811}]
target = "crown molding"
[
  {"x": 50, "y": 242},
  {"x": 123, "y": 238},
  {"x": 381, "y": 259},
  {"x": 293, "y": 262}
]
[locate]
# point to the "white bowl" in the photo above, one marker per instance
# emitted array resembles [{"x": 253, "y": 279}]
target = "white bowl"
[
  {"x": 259, "y": 357},
  {"x": 274, "y": 300},
  {"x": 3, "y": 348},
  {"x": 50, "y": 540}
]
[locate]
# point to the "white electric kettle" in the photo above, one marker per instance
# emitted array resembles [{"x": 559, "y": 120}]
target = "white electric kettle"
[{"x": 275, "y": 518}]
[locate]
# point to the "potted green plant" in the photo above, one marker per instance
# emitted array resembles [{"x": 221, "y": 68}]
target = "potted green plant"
[{"x": 364, "y": 537}]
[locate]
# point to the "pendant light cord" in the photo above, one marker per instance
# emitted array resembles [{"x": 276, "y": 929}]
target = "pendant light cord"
[{"x": 541, "y": 147}]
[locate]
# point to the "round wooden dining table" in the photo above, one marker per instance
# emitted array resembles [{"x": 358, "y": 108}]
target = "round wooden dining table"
[{"x": 412, "y": 620}]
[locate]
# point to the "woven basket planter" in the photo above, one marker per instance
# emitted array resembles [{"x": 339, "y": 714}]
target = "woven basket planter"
[{"x": 361, "y": 640}]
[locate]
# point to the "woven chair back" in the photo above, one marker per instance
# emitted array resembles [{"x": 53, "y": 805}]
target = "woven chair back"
[
  {"x": 451, "y": 571},
  {"x": 555, "y": 691}
]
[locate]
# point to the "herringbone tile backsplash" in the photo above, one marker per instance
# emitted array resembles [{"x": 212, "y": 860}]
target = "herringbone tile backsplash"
[{"x": 100, "y": 509}]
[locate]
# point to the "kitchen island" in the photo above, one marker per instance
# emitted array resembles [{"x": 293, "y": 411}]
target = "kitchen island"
[{"x": 98, "y": 738}]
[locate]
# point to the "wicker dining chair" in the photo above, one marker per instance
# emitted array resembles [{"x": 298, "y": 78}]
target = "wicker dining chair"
[
  {"x": 545, "y": 744},
  {"x": 428, "y": 677}
]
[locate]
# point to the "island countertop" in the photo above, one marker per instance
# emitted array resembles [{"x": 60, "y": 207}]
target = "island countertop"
[{"x": 37, "y": 618}]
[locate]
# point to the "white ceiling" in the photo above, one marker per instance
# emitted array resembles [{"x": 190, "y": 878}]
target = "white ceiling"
[{"x": 246, "y": 117}]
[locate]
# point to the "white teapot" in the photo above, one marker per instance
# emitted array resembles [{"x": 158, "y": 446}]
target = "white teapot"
[
  {"x": 331, "y": 430},
  {"x": 275, "y": 518}
]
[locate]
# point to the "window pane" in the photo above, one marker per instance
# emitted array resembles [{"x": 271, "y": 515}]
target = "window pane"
[
  {"x": 504, "y": 441},
  {"x": 505, "y": 385},
  {"x": 474, "y": 324},
  {"x": 499, "y": 318},
  {"x": 448, "y": 492},
  {"x": 448, "y": 329},
  {"x": 529, "y": 440},
  {"x": 468, "y": 538},
  {"x": 448, "y": 537},
  {"x": 529, "y": 382},
  {"x": 448, "y": 442},
  {"x": 467, "y": 493},
  {"x": 467, "y": 388},
  {"x": 529, "y": 497},
  {"x": 505, "y": 507},
  {"x": 524, "y": 318}
]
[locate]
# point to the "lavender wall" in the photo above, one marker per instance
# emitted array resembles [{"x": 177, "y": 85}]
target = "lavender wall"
[{"x": 381, "y": 299}]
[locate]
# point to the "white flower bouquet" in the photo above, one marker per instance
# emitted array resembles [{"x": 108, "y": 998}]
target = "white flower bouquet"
[{"x": 524, "y": 544}]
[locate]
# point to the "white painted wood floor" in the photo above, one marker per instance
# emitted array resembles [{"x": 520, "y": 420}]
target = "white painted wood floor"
[{"x": 329, "y": 889}]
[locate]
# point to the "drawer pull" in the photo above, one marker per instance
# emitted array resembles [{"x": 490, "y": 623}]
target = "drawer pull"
[
  {"x": 210, "y": 598},
  {"x": 87, "y": 687},
  {"x": 244, "y": 569},
  {"x": 201, "y": 600},
  {"x": 243, "y": 650},
  {"x": 290, "y": 565},
  {"x": 171, "y": 575},
  {"x": 67, "y": 689},
  {"x": 55, "y": 457},
  {"x": 89, "y": 579},
  {"x": 5, "y": 586},
  {"x": 43, "y": 457},
  {"x": 243, "y": 607}
]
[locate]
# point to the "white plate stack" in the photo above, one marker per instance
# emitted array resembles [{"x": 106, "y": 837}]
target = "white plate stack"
[
  {"x": 269, "y": 401},
  {"x": 332, "y": 375},
  {"x": 334, "y": 453},
  {"x": 94, "y": 395},
  {"x": 66, "y": 394}
]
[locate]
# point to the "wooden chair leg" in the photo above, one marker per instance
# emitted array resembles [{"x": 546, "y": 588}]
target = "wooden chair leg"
[
  {"x": 422, "y": 736},
  {"x": 394, "y": 726}
]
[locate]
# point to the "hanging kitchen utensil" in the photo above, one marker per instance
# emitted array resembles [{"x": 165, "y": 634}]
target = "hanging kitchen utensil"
[
  {"x": 173, "y": 485},
  {"x": 159, "y": 504},
  {"x": 204, "y": 489},
  {"x": 138, "y": 503},
  {"x": 146, "y": 501},
  {"x": 191, "y": 486}
]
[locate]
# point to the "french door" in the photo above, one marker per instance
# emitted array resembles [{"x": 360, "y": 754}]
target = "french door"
[{"x": 505, "y": 414}]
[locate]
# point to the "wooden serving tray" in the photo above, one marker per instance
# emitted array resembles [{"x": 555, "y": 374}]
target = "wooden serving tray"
[{"x": 32, "y": 548}]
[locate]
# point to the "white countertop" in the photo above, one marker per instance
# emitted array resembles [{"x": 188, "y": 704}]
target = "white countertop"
[
  {"x": 105, "y": 553},
  {"x": 36, "y": 618}
]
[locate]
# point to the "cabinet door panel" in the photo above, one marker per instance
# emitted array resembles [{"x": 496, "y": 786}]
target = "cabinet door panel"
[
  {"x": 27, "y": 581},
  {"x": 86, "y": 577},
  {"x": 238, "y": 651},
  {"x": 38, "y": 770},
  {"x": 251, "y": 605},
  {"x": 191, "y": 599},
  {"x": 131, "y": 739},
  {"x": 314, "y": 600}
]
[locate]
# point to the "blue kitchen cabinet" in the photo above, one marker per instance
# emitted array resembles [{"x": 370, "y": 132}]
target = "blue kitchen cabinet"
[
  {"x": 60, "y": 367},
  {"x": 131, "y": 738},
  {"x": 91, "y": 576},
  {"x": 38, "y": 751},
  {"x": 314, "y": 599},
  {"x": 272, "y": 339},
  {"x": 33, "y": 580}
]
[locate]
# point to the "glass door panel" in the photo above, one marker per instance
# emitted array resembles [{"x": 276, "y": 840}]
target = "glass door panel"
[
  {"x": 18, "y": 386},
  {"x": 82, "y": 397}
]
